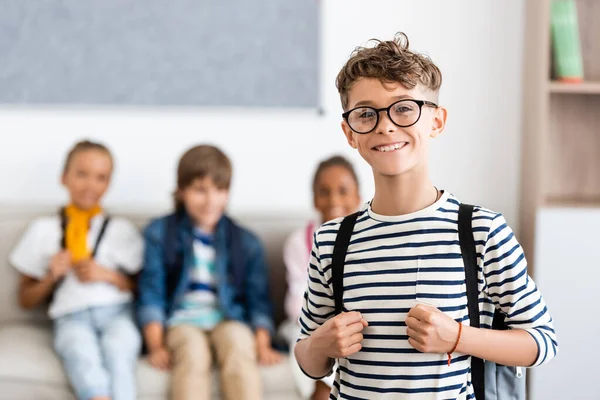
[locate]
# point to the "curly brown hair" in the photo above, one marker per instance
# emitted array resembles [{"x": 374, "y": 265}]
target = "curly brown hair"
[{"x": 389, "y": 61}]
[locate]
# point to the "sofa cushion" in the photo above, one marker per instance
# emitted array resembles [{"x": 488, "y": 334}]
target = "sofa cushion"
[
  {"x": 24, "y": 390},
  {"x": 12, "y": 226},
  {"x": 272, "y": 229},
  {"x": 27, "y": 357}
]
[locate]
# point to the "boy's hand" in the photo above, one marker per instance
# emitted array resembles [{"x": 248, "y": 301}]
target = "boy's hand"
[
  {"x": 160, "y": 358},
  {"x": 266, "y": 354},
  {"x": 430, "y": 330},
  {"x": 60, "y": 265},
  {"x": 90, "y": 271},
  {"x": 340, "y": 336}
]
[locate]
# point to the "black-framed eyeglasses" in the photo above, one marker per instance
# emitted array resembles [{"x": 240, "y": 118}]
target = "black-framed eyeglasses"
[{"x": 403, "y": 113}]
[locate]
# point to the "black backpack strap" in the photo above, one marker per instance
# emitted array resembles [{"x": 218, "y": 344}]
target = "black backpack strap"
[
  {"x": 340, "y": 248},
  {"x": 63, "y": 246},
  {"x": 100, "y": 235},
  {"x": 63, "y": 228},
  {"x": 469, "y": 256}
]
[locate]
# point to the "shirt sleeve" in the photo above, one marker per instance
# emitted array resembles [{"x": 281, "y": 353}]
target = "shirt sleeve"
[
  {"x": 318, "y": 304},
  {"x": 130, "y": 245},
  {"x": 296, "y": 259},
  {"x": 152, "y": 297},
  {"x": 513, "y": 292},
  {"x": 28, "y": 257}
]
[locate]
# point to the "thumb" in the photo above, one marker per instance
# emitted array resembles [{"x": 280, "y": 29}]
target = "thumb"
[{"x": 364, "y": 322}]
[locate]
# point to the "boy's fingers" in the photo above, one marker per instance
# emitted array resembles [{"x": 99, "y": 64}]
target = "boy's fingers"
[
  {"x": 350, "y": 317},
  {"x": 414, "y": 324},
  {"x": 419, "y": 311},
  {"x": 364, "y": 322},
  {"x": 355, "y": 348},
  {"x": 414, "y": 335},
  {"x": 164, "y": 362},
  {"x": 354, "y": 328},
  {"x": 356, "y": 338}
]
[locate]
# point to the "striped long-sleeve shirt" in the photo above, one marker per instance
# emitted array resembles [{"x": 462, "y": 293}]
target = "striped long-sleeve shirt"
[{"x": 395, "y": 262}]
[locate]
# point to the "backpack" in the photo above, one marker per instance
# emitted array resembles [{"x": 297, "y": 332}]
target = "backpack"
[{"x": 490, "y": 381}]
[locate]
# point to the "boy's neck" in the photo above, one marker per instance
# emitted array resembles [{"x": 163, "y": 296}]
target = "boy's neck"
[
  {"x": 208, "y": 229},
  {"x": 403, "y": 194}
]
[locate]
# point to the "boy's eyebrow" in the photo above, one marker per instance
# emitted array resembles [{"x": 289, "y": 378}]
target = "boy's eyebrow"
[{"x": 371, "y": 103}]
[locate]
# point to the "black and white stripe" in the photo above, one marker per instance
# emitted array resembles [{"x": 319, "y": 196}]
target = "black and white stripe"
[{"x": 392, "y": 264}]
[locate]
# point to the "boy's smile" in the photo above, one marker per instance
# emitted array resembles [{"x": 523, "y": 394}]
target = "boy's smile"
[{"x": 390, "y": 147}]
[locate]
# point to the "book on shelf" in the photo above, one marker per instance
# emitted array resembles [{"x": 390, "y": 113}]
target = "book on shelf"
[{"x": 566, "y": 43}]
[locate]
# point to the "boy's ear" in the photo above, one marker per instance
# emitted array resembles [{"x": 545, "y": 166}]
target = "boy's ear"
[
  {"x": 438, "y": 122},
  {"x": 349, "y": 135}
]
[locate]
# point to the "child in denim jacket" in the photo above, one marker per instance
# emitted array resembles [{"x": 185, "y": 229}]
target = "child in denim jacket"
[{"x": 204, "y": 285}]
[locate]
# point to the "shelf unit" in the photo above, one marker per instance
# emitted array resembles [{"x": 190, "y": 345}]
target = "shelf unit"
[
  {"x": 561, "y": 127},
  {"x": 561, "y": 190}
]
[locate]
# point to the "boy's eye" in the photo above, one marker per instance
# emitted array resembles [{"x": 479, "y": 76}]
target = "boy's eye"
[
  {"x": 199, "y": 189},
  {"x": 403, "y": 108},
  {"x": 365, "y": 113}
]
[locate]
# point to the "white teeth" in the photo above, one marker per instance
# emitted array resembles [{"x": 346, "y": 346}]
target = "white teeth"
[{"x": 392, "y": 147}]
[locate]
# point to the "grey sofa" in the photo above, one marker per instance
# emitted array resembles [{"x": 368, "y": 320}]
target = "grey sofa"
[{"x": 30, "y": 370}]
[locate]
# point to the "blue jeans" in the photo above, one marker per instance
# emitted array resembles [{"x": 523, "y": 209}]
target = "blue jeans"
[{"x": 99, "y": 348}]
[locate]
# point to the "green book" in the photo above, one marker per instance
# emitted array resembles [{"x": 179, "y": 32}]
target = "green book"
[{"x": 568, "y": 63}]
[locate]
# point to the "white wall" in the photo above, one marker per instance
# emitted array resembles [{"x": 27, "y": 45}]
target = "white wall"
[{"x": 477, "y": 44}]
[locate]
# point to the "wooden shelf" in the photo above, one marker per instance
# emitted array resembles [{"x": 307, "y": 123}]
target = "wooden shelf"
[
  {"x": 574, "y": 88},
  {"x": 566, "y": 202},
  {"x": 560, "y": 142}
]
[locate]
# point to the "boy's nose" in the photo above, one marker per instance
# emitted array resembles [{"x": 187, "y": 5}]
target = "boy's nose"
[{"x": 385, "y": 124}]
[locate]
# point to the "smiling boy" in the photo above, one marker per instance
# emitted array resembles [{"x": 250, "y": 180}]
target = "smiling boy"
[{"x": 404, "y": 332}]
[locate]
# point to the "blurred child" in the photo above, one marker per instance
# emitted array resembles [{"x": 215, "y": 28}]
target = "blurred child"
[
  {"x": 80, "y": 261},
  {"x": 335, "y": 194},
  {"x": 205, "y": 284}
]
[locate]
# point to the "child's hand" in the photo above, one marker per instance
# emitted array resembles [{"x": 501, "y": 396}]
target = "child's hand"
[
  {"x": 160, "y": 358},
  {"x": 430, "y": 330},
  {"x": 266, "y": 354},
  {"x": 90, "y": 271},
  {"x": 60, "y": 265},
  {"x": 340, "y": 336}
]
